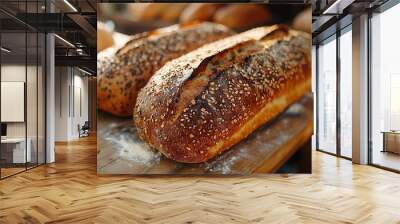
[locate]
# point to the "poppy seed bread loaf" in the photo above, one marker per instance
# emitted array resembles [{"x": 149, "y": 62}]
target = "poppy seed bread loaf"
[
  {"x": 123, "y": 74},
  {"x": 202, "y": 103}
]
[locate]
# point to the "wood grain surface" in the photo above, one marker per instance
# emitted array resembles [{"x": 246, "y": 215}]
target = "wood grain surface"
[
  {"x": 120, "y": 151},
  {"x": 70, "y": 191}
]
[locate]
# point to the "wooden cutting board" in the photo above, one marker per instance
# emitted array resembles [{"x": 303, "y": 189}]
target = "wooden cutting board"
[{"x": 121, "y": 151}]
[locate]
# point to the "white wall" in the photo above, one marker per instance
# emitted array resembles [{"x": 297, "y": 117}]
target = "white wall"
[
  {"x": 61, "y": 103},
  {"x": 70, "y": 83},
  {"x": 33, "y": 127},
  {"x": 12, "y": 73},
  {"x": 79, "y": 117}
]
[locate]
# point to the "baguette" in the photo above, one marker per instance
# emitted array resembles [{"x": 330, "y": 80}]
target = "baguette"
[
  {"x": 122, "y": 75},
  {"x": 202, "y": 103}
]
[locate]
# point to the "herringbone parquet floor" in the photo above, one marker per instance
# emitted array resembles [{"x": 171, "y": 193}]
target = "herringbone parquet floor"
[{"x": 69, "y": 191}]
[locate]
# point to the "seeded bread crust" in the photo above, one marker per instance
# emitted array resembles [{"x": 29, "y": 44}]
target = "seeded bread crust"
[
  {"x": 123, "y": 74},
  {"x": 193, "y": 108}
]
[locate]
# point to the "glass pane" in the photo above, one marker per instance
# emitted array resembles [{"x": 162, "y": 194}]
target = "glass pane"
[
  {"x": 314, "y": 90},
  {"x": 13, "y": 86},
  {"x": 385, "y": 114},
  {"x": 23, "y": 85},
  {"x": 41, "y": 99},
  {"x": 327, "y": 96},
  {"x": 31, "y": 98},
  {"x": 345, "y": 94}
]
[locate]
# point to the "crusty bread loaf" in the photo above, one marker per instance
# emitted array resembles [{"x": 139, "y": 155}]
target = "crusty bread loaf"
[
  {"x": 239, "y": 16},
  {"x": 303, "y": 20},
  {"x": 146, "y": 11},
  {"x": 173, "y": 12},
  {"x": 104, "y": 37},
  {"x": 156, "y": 11},
  {"x": 199, "y": 12},
  {"x": 122, "y": 75},
  {"x": 202, "y": 103}
]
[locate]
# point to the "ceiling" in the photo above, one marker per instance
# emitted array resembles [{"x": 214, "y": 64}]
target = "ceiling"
[
  {"x": 222, "y": 1},
  {"x": 332, "y": 15},
  {"x": 74, "y": 21}
]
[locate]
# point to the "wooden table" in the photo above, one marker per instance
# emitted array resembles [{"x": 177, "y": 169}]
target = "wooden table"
[{"x": 120, "y": 151}]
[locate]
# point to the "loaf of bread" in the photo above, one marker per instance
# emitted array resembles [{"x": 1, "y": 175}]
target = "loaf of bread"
[
  {"x": 240, "y": 16},
  {"x": 156, "y": 11},
  {"x": 104, "y": 38},
  {"x": 200, "y": 12},
  {"x": 303, "y": 20},
  {"x": 202, "y": 103},
  {"x": 173, "y": 12},
  {"x": 121, "y": 76},
  {"x": 146, "y": 11}
]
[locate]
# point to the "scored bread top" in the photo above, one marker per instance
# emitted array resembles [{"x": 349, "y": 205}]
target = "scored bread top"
[
  {"x": 146, "y": 41},
  {"x": 196, "y": 101},
  {"x": 126, "y": 70}
]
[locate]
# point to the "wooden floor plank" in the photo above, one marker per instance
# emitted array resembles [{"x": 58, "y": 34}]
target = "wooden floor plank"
[{"x": 69, "y": 191}]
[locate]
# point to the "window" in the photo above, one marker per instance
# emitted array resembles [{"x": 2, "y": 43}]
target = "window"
[
  {"x": 327, "y": 96},
  {"x": 385, "y": 89},
  {"x": 346, "y": 92}
]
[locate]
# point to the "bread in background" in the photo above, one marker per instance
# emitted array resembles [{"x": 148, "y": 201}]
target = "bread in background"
[
  {"x": 303, "y": 20},
  {"x": 104, "y": 37},
  {"x": 146, "y": 11},
  {"x": 173, "y": 12},
  {"x": 199, "y": 12},
  {"x": 239, "y": 16}
]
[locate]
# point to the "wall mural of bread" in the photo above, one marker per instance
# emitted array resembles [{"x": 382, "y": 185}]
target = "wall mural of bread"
[{"x": 205, "y": 88}]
